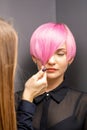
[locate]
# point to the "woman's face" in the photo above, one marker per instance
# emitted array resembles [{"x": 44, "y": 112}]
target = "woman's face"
[{"x": 57, "y": 64}]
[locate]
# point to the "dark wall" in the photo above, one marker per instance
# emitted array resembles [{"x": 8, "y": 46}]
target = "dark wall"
[
  {"x": 26, "y": 16},
  {"x": 74, "y": 14}
]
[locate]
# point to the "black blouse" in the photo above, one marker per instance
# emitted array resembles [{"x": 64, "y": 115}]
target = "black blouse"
[{"x": 63, "y": 108}]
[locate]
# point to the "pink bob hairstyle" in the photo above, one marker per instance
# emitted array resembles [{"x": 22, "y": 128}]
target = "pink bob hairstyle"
[{"x": 47, "y": 38}]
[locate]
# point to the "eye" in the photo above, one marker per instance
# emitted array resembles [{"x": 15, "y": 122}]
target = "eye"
[{"x": 60, "y": 53}]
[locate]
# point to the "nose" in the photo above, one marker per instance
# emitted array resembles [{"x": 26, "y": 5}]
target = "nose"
[{"x": 51, "y": 60}]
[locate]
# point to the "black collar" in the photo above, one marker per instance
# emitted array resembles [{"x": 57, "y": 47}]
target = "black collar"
[{"x": 57, "y": 94}]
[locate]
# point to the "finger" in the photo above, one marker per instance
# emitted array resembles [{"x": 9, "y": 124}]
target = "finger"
[
  {"x": 43, "y": 80},
  {"x": 45, "y": 75},
  {"x": 39, "y": 75},
  {"x": 42, "y": 91}
]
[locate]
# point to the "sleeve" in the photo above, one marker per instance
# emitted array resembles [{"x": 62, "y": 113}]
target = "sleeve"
[
  {"x": 85, "y": 123},
  {"x": 25, "y": 114},
  {"x": 84, "y": 110}
]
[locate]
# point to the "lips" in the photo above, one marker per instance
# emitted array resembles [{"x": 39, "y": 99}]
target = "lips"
[{"x": 51, "y": 69}]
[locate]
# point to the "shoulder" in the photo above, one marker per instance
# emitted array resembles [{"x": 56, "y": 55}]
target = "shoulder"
[
  {"x": 77, "y": 91},
  {"x": 81, "y": 95}
]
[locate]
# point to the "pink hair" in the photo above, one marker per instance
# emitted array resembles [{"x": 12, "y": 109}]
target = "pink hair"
[{"x": 48, "y": 38}]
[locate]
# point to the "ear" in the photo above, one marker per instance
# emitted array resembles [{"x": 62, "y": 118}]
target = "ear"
[
  {"x": 71, "y": 60},
  {"x": 34, "y": 59}
]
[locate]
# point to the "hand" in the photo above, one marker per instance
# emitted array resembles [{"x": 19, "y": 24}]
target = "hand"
[{"x": 35, "y": 86}]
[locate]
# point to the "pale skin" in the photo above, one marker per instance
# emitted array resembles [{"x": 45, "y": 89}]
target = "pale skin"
[{"x": 50, "y": 79}]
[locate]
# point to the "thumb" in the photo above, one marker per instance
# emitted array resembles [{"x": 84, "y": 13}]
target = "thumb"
[{"x": 39, "y": 75}]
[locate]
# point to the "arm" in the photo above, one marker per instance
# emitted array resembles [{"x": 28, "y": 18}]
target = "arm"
[
  {"x": 34, "y": 87},
  {"x": 85, "y": 123},
  {"x": 25, "y": 114}
]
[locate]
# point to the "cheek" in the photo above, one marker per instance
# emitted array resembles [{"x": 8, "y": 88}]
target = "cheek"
[
  {"x": 63, "y": 65},
  {"x": 39, "y": 65}
]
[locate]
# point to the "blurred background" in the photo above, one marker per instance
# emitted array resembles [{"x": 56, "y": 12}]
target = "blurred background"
[{"x": 27, "y": 15}]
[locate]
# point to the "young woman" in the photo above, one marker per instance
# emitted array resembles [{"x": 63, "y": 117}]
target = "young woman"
[
  {"x": 8, "y": 53},
  {"x": 48, "y": 102}
]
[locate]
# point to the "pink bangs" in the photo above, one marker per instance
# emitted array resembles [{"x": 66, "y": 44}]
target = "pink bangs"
[
  {"x": 47, "y": 39},
  {"x": 71, "y": 44}
]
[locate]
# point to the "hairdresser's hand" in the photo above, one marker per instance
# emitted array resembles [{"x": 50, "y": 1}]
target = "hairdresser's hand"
[{"x": 35, "y": 86}]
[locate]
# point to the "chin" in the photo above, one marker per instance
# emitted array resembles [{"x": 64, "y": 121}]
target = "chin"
[{"x": 52, "y": 76}]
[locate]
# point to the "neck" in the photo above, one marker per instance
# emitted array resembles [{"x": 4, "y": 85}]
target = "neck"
[{"x": 53, "y": 83}]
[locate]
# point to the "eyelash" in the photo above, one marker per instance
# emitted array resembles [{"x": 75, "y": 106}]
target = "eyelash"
[{"x": 61, "y": 54}]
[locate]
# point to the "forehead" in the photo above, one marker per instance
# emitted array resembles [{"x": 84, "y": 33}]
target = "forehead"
[{"x": 62, "y": 47}]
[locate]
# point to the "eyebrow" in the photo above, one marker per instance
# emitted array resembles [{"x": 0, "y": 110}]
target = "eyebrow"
[{"x": 61, "y": 49}]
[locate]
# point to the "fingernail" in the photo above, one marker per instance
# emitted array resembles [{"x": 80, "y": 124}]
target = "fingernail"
[{"x": 44, "y": 69}]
